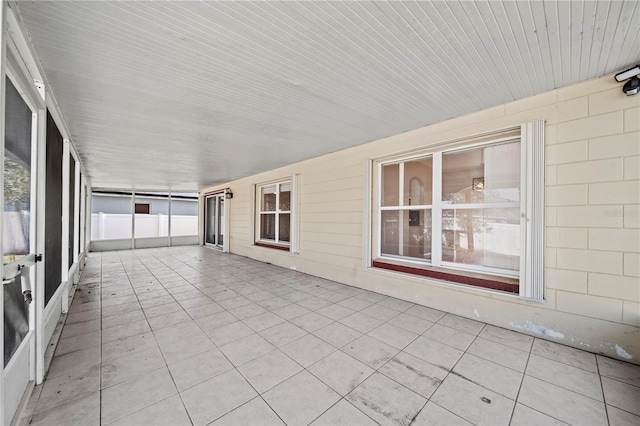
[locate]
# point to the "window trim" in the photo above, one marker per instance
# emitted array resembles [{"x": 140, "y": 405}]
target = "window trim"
[
  {"x": 257, "y": 214},
  {"x": 531, "y": 271}
]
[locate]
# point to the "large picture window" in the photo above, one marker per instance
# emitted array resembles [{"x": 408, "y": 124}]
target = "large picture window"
[
  {"x": 274, "y": 222},
  {"x": 460, "y": 213}
]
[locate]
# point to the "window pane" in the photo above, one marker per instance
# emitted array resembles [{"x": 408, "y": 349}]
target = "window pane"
[
  {"x": 390, "y": 185},
  {"x": 285, "y": 227},
  {"x": 17, "y": 176},
  {"x": 184, "y": 214},
  {"x": 406, "y": 233},
  {"x": 482, "y": 175},
  {"x": 285, "y": 197},
  {"x": 268, "y": 226},
  {"x": 483, "y": 237},
  {"x": 416, "y": 225},
  {"x": 110, "y": 216},
  {"x": 268, "y": 197},
  {"x": 390, "y": 235},
  {"x": 418, "y": 176}
]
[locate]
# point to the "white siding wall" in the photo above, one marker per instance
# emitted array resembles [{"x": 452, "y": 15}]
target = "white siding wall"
[{"x": 592, "y": 284}]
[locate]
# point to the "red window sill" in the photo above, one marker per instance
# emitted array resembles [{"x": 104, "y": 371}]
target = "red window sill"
[
  {"x": 273, "y": 246},
  {"x": 448, "y": 276}
]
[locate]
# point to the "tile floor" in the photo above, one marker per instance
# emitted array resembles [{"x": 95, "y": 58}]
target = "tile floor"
[{"x": 181, "y": 336}]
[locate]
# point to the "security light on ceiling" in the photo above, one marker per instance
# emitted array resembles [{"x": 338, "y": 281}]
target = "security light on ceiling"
[{"x": 632, "y": 86}]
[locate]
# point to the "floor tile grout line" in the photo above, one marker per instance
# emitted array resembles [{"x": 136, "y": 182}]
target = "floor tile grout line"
[{"x": 524, "y": 374}]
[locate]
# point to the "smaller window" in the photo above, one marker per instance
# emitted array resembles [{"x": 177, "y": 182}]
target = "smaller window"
[
  {"x": 274, "y": 221},
  {"x": 143, "y": 208}
]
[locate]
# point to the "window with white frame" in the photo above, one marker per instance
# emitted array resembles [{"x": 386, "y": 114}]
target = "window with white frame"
[
  {"x": 274, "y": 209},
  {"x": 469, "y": 209}
]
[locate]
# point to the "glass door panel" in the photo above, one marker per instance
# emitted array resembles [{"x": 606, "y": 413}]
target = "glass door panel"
[{"x": 214, "y": 223}]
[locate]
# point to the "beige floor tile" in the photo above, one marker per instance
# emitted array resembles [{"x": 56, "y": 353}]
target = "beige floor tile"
[
  {"x": 216, "y": 397},
  {"x": 473, "y": 402},
  {"x": 335, "y": 312},
  {"x": 572, "y": 378},
  {"x": 507, "y": 356},
  {"x": 168, "y": 412},
  {"x": 340, "y": 372},
  {"x": 619, "y": 417},
  {"x": 337, "y": 334},
  {"x": 125, "y": 368},
  {"x": 233, "y": 302},
  {"x": 560, "y": 403},
  {"x": 76, "y": 343},
  {"x": 246, "y": 349},
  {"x": 361, "y": 322},
  {"x": 355, "y": 303},
  {"x": 204, "y": 310},
  {"x": 343, "y": 413},
  {"x": 126, "y": 398},
  {"x": 386, "y": 401},
  {"x": 254, "y": 413},
  {"x": 120, "y": 309},
  {"x": 68, "y": 387},
  {"x": 449, "y": 336},
  {"x": 195, "y": 302},
  {"x": 414, "y": 373},
  {"x": 300, "y": 399},
  {"x": 434, "y": 352},
  {"x": 380, "y": 312},
  {"x": 507, "y": 337},
  {"x": 396, "y": 304},
  {"x": 497, "y": 378},
  {"x": 128, "y": 346},
  {"x": 179, "y": 348},
  {"x": 247, "y": 311},
  {"x": 411, "y": 323},
  {"x": 123, "y": 319},
  {"x": 425, "y": 313},
  {"x": 621, "y": 371},
  {"x": 80, "y": 328},
  {"x": 291, "y": 311},
  {"x": 274, "y": 303},
  {"x": 83, "y": 316},
  {"x": 84, "y": 411},
  {"x": 122, "y": 331},
  {"x": 164, "y": 321},
  {"x": 216, "y": 320},
  {"x": 370, "y": 351},
  {"x": 621, "y": 395},
  {"x": 311, "y": 322},
  {"x": 392, "y": 335},
  {"x": 263, "y": 321},
  {"x": 157, "y": 301},
  {"x": 525, "y": 416},
  {"x": 314, "y": 303},
  {"x": 229, "y": 333},
  {"x": 565, "y": 354},
  {"x": 434, "y": 415},
  {"x": 75, "y": 363},
  {"x": 157, "y": 311},
  {"x": 269, "y": 370},
  {"x": 281, "y": 334},
  {"x": 307, "y": 350},
  {"x": 461, "y": 324},
  {"x": 196, "y": 369}
]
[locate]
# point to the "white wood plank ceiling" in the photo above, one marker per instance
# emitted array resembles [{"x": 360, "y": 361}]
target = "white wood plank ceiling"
[{"x": 186, "y": 94}]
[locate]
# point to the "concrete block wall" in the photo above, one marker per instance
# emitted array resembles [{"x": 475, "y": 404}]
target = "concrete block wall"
[{"x": 592, "y": 238}]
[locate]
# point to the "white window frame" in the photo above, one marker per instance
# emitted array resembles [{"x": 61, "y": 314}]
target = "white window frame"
[
  {"x": 277, "y": 212},
  {"x": 531, "y": 271}
]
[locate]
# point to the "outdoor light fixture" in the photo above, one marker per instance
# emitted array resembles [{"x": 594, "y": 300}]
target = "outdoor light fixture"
[
  {"x": 228, "y": 194},
  {"x": 632, "y": 86}
]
